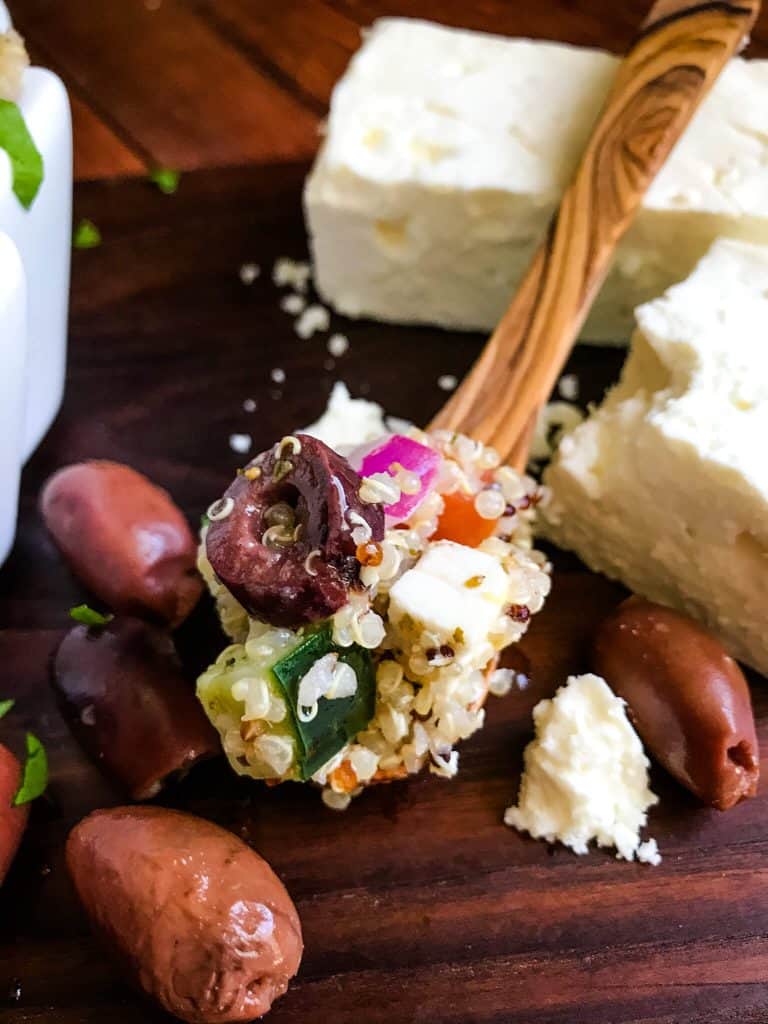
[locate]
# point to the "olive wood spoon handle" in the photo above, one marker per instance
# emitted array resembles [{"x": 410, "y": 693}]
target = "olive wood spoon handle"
[{"x": 677, "y": 56}]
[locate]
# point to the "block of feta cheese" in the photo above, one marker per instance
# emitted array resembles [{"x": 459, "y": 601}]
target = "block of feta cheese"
[
  {"x": 436, "y": 180},
  {"x": 13, "y": 350},
  {"x": 43, "y": 237},
  {"x": 665, "y": 486},
  {"x": 586, "y": 774},
  {"x": 454, "y": 596}
]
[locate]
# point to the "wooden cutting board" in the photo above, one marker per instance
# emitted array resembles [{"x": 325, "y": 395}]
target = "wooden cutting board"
[{"x": 418, "y": 905}]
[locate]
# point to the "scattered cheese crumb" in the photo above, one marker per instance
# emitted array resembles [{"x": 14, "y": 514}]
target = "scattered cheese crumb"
[
  {"x": 348, "y": 422},
  {"x": 294, "y": 273},
  {"x": 278, "y": 375},
  {"x": 648, "y": 853},
  {"x": 586, "y": 774},
  {"x": 338, "y": 344},
  {"x": 240, "y": 443},
  {"x": 293, "y": 303},
  {"x": 249, "y": 272},
  {"x": 314, "y": 318},
  {"x": 555, "y": 419},
  {"x": 568, "y": 387},
  {"x": 447, "y": 382},
  {"x": 250, "y": 405}
]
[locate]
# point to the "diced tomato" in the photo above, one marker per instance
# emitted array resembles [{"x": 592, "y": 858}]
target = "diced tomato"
[{"x": 461, "y": 523}]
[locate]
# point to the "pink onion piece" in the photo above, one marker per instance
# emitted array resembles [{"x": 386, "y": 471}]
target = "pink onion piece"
[{"x": 412, "y": 456}]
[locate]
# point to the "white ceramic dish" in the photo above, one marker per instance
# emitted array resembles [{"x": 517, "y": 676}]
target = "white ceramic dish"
[
  {"x": 41, "y": 238},
  {"x": 13, "y": 353}
]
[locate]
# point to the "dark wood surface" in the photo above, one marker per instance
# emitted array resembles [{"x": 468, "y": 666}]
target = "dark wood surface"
[{"x": 417, "y": 904}]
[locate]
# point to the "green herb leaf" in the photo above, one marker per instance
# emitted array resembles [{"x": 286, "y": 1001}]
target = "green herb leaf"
[
  {"x": 205, "y": 520},
  {"x": 87, "y": 235},
  {"x": 89, "y": 616},
  {"x": 26, "y": 161},
  {"x": 35, "y": 776},
  {"x": 5, "y": 707},
  {"x": 337, "y": 721},
  {"x": 166, "y": 179}
]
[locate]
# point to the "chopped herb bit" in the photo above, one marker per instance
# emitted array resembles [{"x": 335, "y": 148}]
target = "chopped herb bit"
[
  {"x": 166, "y": 179},
  {"x": 26, "y": 161},
  {"x": 87, "y": 235},
  {"x": 88, "y": 616},
  {"x": 5, "y": 707},
  {"x": 204, "y": 521},
  {"x": 35, "y": 776}
]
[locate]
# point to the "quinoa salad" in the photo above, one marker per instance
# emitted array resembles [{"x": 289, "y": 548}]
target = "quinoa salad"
[{"x": 367, "y": 598}]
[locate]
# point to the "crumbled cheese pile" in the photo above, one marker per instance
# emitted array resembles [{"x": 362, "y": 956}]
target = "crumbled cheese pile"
[
  {"x": 13, "y": 63},
  {"x": 348, "y": 422},
  {"x": 586, "y": 774}
]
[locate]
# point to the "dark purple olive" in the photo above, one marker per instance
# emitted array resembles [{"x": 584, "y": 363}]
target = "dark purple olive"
[
  {"x": 281, "y": 537},
  {"x": 125, "y": 539},
  {"x": 131, "y": 707}
]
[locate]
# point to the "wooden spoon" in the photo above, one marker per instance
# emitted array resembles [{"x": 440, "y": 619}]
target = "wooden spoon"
[{"x": 677, "y": 56}]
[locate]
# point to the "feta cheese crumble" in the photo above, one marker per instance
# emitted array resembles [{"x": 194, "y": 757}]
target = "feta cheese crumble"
[
  {"x": 586, "y": 774},
  {"x": 240, "y": 443},
  {"x": 568, "y": 387},
  {"x": 292, "y": 273},
  {"x": 348, "y": 422},
  {"x": 249, "y": 272},
  {"x": 293, "y": 303},
  {"x": 338, "y": 344},
  {"x": 314, "y": 318}
]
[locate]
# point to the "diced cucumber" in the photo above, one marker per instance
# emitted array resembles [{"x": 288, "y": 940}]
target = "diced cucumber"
[{"x": 337, "y": 721}]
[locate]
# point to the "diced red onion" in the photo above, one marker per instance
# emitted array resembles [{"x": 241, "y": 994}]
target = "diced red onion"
[{"x": 415, "y": 458}]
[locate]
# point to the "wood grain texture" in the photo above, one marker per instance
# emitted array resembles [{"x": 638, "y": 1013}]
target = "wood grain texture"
[
  {"x": 668, "y": 71},
  {"x": 298, "y": 47},
  {"x": 417, "y": 904},
  {"x": 179, "y": 93}
]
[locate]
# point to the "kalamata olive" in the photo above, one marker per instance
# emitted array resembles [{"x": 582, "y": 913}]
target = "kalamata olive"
[
  {"x": 197, "y": 918},
  {"x": 130, "y": 706},
  {"x": 124, "y": 538},
  {"x": 688, "y": 699},
  {"x": 13, "y": 820},
  {"x": 281, "y": 537}
]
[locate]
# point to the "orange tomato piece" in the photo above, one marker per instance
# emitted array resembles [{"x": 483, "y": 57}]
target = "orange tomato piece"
[{"x": 461, "y": 523}]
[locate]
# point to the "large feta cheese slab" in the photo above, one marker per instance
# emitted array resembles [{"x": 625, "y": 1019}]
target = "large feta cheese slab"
[
  {"x": 446, "y": 153},
  {"x": 13, "y": 351},
  {"x": 586, "y": 774},
  {"x": 665, "y": 486}
]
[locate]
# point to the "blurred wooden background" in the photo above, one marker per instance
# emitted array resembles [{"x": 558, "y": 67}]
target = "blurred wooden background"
[{"x": 213, "y": 83}]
